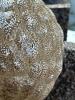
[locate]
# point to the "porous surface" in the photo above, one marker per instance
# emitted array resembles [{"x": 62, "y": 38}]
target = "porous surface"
[{"x": 31, "y": 49}]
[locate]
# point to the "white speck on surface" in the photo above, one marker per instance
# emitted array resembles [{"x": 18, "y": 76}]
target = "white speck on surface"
[
  {"x": 46, "y": 17},
  {"x": 5, "y": 51},
  {"x": 8, "y": 14},
  {"x": 6, "y": 3},
  {"x": 28, "y": 46},
  {"x": 23, "y": 13},
  {"x": 40, "y": 88},
  {"x": 51, "y": 77},
  {"x": 42, "y": 30},
  {"x": 24, "y": 80},
  {"x": 12, "y": 48},
  {"x": 17, "y": 63},
  {"x": 37, "y": 68},
  {"x": 45, "y": 30},
  {"x": 7, "y": 20},
  {"x": 30, "y": 20},
  {"x": 31, "y": 51},
  {"x": 22, "y": 1},
  {"x": 40, "y": 67},
  {"x": 48, "y": 46},
  {"x": 2, "y": 65}
]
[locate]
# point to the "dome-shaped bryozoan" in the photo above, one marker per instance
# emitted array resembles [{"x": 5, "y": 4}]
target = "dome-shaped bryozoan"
[{"x": 31, "y": 49}]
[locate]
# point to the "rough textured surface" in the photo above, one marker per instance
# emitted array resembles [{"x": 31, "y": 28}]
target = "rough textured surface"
[
  {"x": 31, "y": 48},
  {"x": 64, "y": 88}
]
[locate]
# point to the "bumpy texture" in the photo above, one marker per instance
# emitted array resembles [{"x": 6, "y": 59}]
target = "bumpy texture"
[{"x": 31, "y": 46}]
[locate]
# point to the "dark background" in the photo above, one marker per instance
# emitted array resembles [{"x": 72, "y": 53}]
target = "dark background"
[{"x": 52, "y": 1}]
